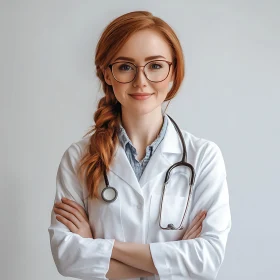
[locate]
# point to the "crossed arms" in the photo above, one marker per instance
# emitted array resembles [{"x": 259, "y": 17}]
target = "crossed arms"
[{"x": 197, "y": 258}]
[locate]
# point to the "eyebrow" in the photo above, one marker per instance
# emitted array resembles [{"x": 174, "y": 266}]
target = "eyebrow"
[{"x": 146, "y": 59}]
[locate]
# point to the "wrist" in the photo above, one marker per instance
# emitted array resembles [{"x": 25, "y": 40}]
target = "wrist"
[{"x": 115, "y": 249}]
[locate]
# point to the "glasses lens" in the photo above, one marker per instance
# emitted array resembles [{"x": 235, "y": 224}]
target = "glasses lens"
[
  {"x": 124, "y": 72},
  {"x": 157, "y": 71}
]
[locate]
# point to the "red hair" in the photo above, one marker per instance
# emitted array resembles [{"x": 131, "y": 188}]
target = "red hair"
[{"x": 102, "y": 144}]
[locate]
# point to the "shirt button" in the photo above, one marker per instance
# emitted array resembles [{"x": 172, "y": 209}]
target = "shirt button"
[{"x": 139, "y": 206}]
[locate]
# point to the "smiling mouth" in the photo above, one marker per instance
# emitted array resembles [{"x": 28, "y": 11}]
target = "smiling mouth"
[{"x": 141, "y": 94}]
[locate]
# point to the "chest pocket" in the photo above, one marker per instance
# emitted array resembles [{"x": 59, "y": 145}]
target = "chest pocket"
[
  {"x": 111, "y": 220},
  {"x": 173, "y": 208},
  {"x": 105, "y": 219}
]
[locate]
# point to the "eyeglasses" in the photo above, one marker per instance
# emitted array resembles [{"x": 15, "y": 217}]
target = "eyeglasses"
[{"x": 155, "y": 71}]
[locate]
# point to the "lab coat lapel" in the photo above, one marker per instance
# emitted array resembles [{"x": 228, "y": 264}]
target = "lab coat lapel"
[
  {"x": 122, "y": 168},
  {"x": 160, "y": 162}
]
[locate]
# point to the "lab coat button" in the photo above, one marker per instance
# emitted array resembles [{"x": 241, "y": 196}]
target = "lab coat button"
[{"x": 139, "y": 206}]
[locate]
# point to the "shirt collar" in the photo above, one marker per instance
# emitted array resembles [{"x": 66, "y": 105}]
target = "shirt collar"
[{"x": 124, "y": 139}]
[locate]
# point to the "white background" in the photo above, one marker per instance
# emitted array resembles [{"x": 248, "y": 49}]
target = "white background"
[{"x": 230, "y": 95}]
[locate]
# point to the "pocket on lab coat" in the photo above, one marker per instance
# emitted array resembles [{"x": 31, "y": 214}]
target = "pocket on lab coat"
[
  {"x": 173, "y": 208},
  {"x": 110, "y": 222}
]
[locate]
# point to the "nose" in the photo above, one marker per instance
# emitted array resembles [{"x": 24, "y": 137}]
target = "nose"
[{"x": 140, "y": 78}]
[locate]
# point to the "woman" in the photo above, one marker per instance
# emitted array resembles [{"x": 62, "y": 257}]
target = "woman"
[{"x": 139, "y": 61}]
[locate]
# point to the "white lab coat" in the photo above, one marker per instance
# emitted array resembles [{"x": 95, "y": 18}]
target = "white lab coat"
[{"x": 134, "y": 216}]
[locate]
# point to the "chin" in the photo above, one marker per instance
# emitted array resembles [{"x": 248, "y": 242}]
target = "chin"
[{"x": 143, "y": 110}]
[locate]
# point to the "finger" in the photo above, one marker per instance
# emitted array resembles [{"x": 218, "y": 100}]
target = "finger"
[
  {"x": 75, "y": 205},
  {"x": 70, "y": 209},
  {"x": 200, "y": 232},
  {"x": 67, "y": 223},
  {"x": 195, "y": 220},
  {"x": 196, "y": 233},
  {"x": 193, "y": 226},
  {"x": 198, "y": 223},
  {"x": 69, "y": 216}
]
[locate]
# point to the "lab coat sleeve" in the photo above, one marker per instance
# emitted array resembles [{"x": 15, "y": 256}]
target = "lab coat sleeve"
[
  {"x": 200, "y": 258},
  {"x": 75, "y": 256}
]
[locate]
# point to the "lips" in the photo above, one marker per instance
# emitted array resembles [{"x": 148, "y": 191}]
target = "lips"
[{"x": 141, "y": 94}]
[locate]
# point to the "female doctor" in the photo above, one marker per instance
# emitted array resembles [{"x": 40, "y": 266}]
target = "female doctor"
[{"x": 132, "y": 195}]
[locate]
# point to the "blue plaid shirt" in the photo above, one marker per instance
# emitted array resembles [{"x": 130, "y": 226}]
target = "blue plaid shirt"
[{"x": 139, "y": 166}]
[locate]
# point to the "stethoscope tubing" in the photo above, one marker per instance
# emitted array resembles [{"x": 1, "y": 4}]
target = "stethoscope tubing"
[{"x": 112, "y": 192}]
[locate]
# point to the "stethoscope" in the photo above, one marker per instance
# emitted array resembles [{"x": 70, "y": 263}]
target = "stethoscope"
[{"x": 110, "y": 194}]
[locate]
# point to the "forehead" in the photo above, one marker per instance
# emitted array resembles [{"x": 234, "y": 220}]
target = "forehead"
[{"x": 143, "y": 44}]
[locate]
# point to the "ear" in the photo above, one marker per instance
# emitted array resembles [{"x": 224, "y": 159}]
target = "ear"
[{"x": 107, "y": 76}]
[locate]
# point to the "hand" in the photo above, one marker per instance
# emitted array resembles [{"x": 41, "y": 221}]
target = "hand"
[
  {"x": 73, "y": 215},
  {"x": 195, "y": 227}
]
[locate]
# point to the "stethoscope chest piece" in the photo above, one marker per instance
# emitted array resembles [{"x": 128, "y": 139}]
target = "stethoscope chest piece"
[{"x": 109, "y": 194}]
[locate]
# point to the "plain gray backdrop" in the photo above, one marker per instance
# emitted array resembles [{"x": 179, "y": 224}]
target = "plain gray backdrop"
[{"x": 230, "y": 95}]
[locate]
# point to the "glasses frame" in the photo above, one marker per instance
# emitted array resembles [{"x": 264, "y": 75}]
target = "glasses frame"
[{"x": 111, "y": 66}]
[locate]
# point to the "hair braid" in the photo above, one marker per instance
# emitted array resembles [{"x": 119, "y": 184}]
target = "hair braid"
[{"x": 102, "y": 143}]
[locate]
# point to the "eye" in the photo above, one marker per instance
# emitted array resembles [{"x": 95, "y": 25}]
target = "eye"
[
  {"x": 125, "y": 67},
  {"x": 155, "y": 66}
]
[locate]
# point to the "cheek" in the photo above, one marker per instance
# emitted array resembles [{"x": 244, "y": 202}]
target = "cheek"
[
  {"x": 120, "y": 91},
  {"x": 162, "y": 87}
]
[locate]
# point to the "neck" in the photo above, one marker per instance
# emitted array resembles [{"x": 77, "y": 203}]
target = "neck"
[{"x": 142, "y": 130}]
